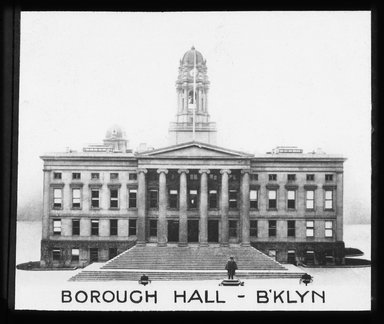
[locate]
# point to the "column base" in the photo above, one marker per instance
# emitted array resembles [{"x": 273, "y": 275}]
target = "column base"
[
  {"x": 161, "y": 244},
  {"x": 182, "y": 244}
]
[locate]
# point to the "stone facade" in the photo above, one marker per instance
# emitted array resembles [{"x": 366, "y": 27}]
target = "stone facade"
[{"x": 99, "y": 202}]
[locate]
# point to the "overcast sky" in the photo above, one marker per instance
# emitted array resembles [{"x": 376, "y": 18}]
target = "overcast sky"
[{"x": 277, "y": 78}]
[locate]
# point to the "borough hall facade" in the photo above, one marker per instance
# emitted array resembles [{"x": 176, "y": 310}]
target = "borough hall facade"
[{"x": 100, "y": 202}]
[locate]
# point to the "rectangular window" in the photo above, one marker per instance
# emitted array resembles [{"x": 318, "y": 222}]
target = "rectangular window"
[
  {"x": 132, "y": 227},
  {"x": 309, "y": 257},
  {"x": 113, "y": 227},
  {"x": 76, "y": 175},
  {"x": 193, "y": 176},
  {"x": 93, "y": 255},
  {"x": 57, "y": 227},
  {"x": 328, "y": 199},
  {"x": 232, "y": 228},
  {"x": 212, "y": 176},
  {"x": 253, "y": 228},
  {"x": 173, "y": 198},
  {"x": 329, "y": 177},
  {"x": 310, "y": 199},
  {"x": 291, "y": 199},
  {"x": 114, "y": 199},
  {"x": 291, "y": 228},
  {"x": 291, "y": 177},
  {"x": 75, "y": 255},
  {"x": 232, "y": 198},
  {"x": 112, "y": 252},
  {"x": 212, "y": 198},
  {"x": 272, "y": 228},
  {"x": 57, "y": 175},
  {"x": 310, "y": 177},
  {"x": 328, "y": 229},
  {"x": 272, "y": 199},
  {"x": 192, "y": 201},
  {"x": 253, "y": 199},
  {"x": 310, "y": 232},
  {"x": 76, "y": 197},
  {"x": 95, "y": 198},
  {"x": 57, "y": 198},
  {"x": 153, "y": 227},
  {"x": 56, "y": 254},
  {"x": 75, "y": 227},
  {"x": 132, "y": 203},
  {"x": 153, "y": 199},
  {"x": 95, "y": 227},
  {"x": 291, "y": 257},
  {"x": 95, "y": 176},
  {"x": 272, "y": 254},
  {"x": 272, "y": 177},
  {"x": 254, "y": 177},
  {"x": 114, "y": 176},
  {"x": 232, "y": 177},
  {"x": 132, "y": 176}
]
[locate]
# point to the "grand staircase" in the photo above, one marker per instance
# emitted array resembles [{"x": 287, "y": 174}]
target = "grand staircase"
[{"x": 186, "y": 263}]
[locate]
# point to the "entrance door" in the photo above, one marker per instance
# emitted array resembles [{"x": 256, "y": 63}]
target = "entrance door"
[
  {"x": 213, "y": 231},
  {"x": 173, "y": 231},
  {"x": 193, "y": 231}
]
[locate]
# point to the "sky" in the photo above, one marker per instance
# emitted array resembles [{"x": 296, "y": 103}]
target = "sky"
[{"x": 277, "y": 78}]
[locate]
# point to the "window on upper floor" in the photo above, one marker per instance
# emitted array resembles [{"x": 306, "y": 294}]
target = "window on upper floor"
[
  {"x": 329, "y": 177},
  {"x": 310, "y": 199},
  {"x": 192, "y": 199},
  {"x": 212, "y": 199},
  {"x": 75, "y": 227},
  {"x": 253, "y": 199},
  {"x": 232, "y": 228},
  {"x": 328, "y": 229},
  {"x": 132, "y": 198},
  {"x": 193, "y": 176},
  {"x": 173, "y": 198},
  {"x": 114, "y": 198},
  {"x": 113, "y": 227},
  {"x": 152, "y": 227},
  {"x": 57, "y": 175},
  {"x": 291, "y": 177},
  {"x": 329, "y": 199},
  {"x": 132, "y": 176},
  {"x": 213, "y": 176},
  {"x": 310, "y": 228},
  {"x": 253, "y": 228},
  {"x": 114, "y": 176},
  {"x": 76, "y": 198},
  {"x": 95, "y": 176},
  {"x": 291, "y": 226},
  {"x": 272, "y": 228},
  {"x": 57, "y": 226},
  {"x": 291, "y": 199},
  {"x": 57, "y": 198},
  {"x": 153, "y": 198},
  {"x": 272, "y": 199},
  {"x": 95, "y": 227},
  {"x": 254, "y": 177},
  {"x": 233, "y": 177},
  {"x": 272, "y": 177},
  {"x": 95, "y": 198},
  {"x": 310, "y": 177},
  {"x": 232, "y": 198},
  {"x": 76, "y": 175}
]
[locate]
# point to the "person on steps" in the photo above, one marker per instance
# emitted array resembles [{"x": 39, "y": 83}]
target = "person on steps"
[{"x": 231, "y": 267}]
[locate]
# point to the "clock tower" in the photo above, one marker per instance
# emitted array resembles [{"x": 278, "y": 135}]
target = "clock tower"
[{"x": 192, "y": 119}]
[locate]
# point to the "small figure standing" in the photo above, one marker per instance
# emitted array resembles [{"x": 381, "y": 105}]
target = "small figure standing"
[
  {"x": 231, "y": 267},
  {"x": 144, "y": 280}
]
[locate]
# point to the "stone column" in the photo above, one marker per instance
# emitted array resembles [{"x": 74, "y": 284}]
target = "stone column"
[
  {"x": 203, "y": 224},
  {"x": 183, "y": 219},
  {"x": 244, "y": 211},
  {"x": 46, "y": 204},
  {"x": 141, "y": 206},
  {"x": 224, "y": 207},
  {"x": 162, "y": 230}
]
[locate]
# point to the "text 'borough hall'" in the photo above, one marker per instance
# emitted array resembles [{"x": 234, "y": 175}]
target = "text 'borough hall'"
[{"x": 102, "y": 201}]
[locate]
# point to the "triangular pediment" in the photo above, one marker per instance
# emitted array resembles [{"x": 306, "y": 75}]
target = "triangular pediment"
[{"x": 195, "y": 150}]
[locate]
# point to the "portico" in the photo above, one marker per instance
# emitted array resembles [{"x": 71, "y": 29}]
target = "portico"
[{"x": 188, "y": 172}]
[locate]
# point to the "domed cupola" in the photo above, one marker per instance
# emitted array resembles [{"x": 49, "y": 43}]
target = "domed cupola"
[
  {"x": 115, "y": 138},
  {"x": 189, "y": 57},
  {"x": 114, "y": 131}
]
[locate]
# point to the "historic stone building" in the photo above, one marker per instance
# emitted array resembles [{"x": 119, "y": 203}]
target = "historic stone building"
[{"x": 99, "y": 202}]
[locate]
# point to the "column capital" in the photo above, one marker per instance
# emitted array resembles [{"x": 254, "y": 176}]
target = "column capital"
[
  {"x": 162, "y": 171},
  {"x": 183, "y": 171},
  {"x": 225, "y": 171},
  {"x": 142, "y": 170},
  {"x": 207, "y": 171},
  {"x": 243, "y": 171}
]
